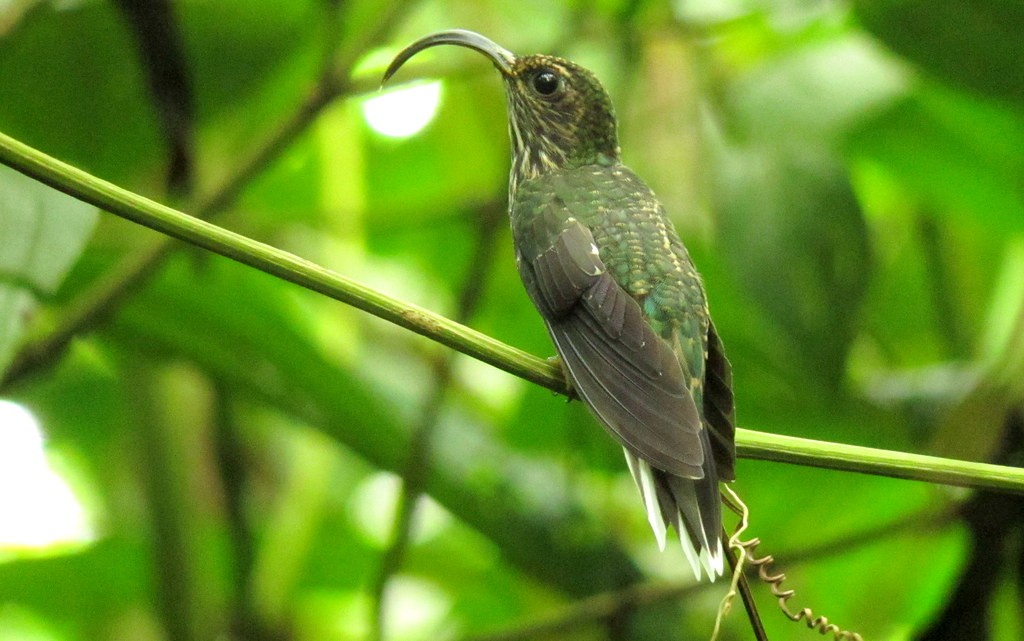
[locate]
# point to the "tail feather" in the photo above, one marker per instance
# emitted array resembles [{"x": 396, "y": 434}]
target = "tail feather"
[
  {"x": 644, "y": 477},
  {"x": 691, "y": 506},
  {"x": 698, "y": 508}
]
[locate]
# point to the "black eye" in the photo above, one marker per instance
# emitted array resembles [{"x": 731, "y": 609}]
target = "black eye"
[{"x": 546, "y": 82}]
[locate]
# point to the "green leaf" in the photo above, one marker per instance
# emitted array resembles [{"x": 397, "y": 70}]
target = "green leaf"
[
  {"x": 791, "y": 231},
  {"x": 976, "y": 45},
  {"x": 461, "y": 158},
  {"x": 43, "y": 233},
  {"x": 65, "y": 588},
  {"x": 816, "y": 93},
  {"x": 957, "y": 154},
  {"x": 74, "y": 95}
]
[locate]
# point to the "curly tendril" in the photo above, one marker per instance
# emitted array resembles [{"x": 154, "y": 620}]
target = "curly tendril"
[{"x": 744, "y": 555}]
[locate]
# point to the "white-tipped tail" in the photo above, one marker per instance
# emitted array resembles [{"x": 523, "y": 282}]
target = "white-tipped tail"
[
  {"x": 662, "y": 502},
  {"x": 692, "y": 557},
  {"x": 644, "y": 478}
]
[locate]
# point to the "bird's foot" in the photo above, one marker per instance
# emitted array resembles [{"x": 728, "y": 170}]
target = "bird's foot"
[{"x": 570, "y": 390}]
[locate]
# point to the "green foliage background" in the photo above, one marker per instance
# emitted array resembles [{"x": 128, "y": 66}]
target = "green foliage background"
[{"x": 847, "y": 175}]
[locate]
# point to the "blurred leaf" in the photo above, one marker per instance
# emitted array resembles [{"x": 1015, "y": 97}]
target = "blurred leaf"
[
  {"x": 790, "y": 235},
  {"x": 64, "y": 588},
  {"x": 816, "y": 93},
  {"x": 976, "y": 45},
  {"x": 74, "y": 97},
  {"x": 954, "y": 152},
  {"x": 238, "y": 329},
  {"x": 237, "y": 47},
  {"x": 44, "y": 231},
  {"x": 791, "y": 231}
]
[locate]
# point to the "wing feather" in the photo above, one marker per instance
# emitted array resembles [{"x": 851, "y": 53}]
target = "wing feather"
[
  {"x": 719, "y": 407},
  {"x": 626, "y": 373}
]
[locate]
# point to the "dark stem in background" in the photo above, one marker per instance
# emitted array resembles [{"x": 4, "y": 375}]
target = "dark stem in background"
[
  {"x": 155, "y": 28},
  {"x": 97, "y": 303},
  {"x": 166, "y": 475},
  {"x": 996, "y": 523},
  {"x": 245, "y": 622},
  {"x": 418, "y": 465},
  {"x": 231, "y": 464}
]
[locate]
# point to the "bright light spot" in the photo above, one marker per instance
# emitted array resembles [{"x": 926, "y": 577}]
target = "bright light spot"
[
  {"x": 37, "y": 508},
  {"x": 373, "y": 510},
  {"x": 405, "y": 111},
  {"x": 414, "y": 608}
]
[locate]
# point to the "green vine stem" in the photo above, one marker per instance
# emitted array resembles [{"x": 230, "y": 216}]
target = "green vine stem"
[{"x": 750, "y": 444}]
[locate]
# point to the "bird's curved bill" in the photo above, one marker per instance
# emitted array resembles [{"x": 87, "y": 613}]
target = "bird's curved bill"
[{"x": 502, "y": 58}]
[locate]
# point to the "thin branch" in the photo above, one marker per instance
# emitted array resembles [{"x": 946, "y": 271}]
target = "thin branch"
[
  {"x": 869, "y": 460},
  {"x": 95, "y": 304},
  {"x": 286, "y": 266}
]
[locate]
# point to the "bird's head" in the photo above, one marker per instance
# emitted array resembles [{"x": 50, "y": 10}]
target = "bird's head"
[{"x": 559, "y": 114}]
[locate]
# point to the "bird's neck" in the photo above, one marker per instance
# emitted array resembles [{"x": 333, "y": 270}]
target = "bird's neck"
[
  {"x": 542, "y": 143},
  {"x": 529, "y": 165},
  {"x": 533, "y": 158}
]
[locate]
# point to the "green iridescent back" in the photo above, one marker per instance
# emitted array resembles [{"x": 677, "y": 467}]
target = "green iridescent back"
[{"x": 637, "y": 243}]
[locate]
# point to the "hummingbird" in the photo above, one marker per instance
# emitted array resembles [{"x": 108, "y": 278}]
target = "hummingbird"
[{"x": 623, "y": 303}]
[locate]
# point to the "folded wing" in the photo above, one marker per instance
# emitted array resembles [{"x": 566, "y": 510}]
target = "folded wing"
[{"x": 626, "y": 373}]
